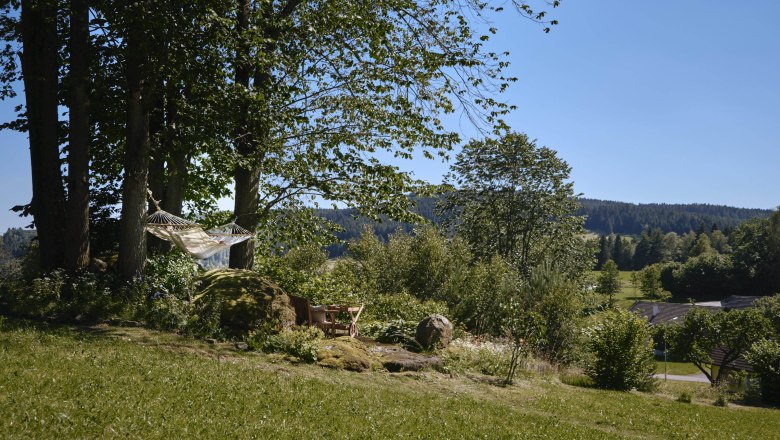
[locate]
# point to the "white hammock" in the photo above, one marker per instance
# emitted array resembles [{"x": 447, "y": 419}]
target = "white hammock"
[{"x": 190, "y": 236}]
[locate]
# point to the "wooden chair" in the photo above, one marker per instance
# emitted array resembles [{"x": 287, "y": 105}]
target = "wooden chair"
[{"x": 324, "y": 317}]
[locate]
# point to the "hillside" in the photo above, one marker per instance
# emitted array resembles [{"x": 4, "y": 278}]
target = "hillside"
[
  {"x": 602, "y": 217},
  {"x": 630, "y": 218},
  {"x": 15, "y": 242},
  {"x": 107, "y": 382}
]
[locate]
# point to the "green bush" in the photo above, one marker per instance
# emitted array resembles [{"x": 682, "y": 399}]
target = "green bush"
[
  {"x": 722, "y": 399},
  {"x": 622, "y": 352},
  {"x": 764, "y": 357},
  {"x": 402, "y": 306},
  {"x": 302, "y": 343},
  {"x": 37, "y": 299},
  {"x": 470, "y": 356},
  {"x": 164, "y": 294},
  {"x": 684, "y": 397}
]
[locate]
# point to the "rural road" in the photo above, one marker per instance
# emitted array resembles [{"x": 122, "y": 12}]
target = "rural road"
[{"x": 686, "y": 378}]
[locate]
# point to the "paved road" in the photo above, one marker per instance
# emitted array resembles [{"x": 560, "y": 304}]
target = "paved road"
[{"x": 686, "y": 378}]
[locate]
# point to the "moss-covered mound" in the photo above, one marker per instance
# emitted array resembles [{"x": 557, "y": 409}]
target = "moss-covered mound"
[
  {"x": 344, "y": 353},
  {"x": 246, "y": 301}
]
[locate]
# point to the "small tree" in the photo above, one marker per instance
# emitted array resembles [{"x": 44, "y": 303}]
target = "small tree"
[
  {"x": 609, "y": 280},
  {"x": 764, "y": 356},
  {"x": 650, "y": 284},
  {"x": 702, "y": 332},
  {"x": 621, "y": 345},
  {"x": 524, "y": 329}
]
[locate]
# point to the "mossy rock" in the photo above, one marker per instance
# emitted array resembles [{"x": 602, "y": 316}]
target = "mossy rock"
[
  {"x": 344, "y": 353},
  {"x": 246, "y": 301}
]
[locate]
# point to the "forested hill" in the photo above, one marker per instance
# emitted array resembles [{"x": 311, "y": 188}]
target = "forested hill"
[
  {"x": 607, "y": 217},
  {"x": 603, "y": 217},
  {"x": 15, "y": 241}
]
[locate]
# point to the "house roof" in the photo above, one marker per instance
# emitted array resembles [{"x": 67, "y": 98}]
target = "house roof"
[
  {"x": 662, "y": 313},
  {"x": 736, "y": 302},
  {"x": 737, "y": 364}
]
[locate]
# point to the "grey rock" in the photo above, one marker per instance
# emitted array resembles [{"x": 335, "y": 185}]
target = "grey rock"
[{"x": 434, "y": 331}]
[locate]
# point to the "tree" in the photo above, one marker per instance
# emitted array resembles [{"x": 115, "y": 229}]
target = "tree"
[
  {"x": 708, "y": 276},
  {"x": 38, "y": 28},
  {"x": 609, "y": 280},
  {"x": 605, "y": 250},
  {"x": 622, "y": 349},
  {"x": 512, "y": 198},
  {"x": 321, "y": 89},
  {"x": 702, "y": 332},
  {"x": 77, "y": 230},
  {"x": 756, "y": 255},
  {"x": 701, "y": 247},
  {"x": 650, "y": 283},
  {"x": 764, "y": 357}
]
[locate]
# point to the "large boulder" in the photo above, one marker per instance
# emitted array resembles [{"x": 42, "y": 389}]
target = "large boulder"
[
  {"x": 246, "y": 301},
  {"x": 344, "y": 353},
  {"x": 434, "y": 331}
]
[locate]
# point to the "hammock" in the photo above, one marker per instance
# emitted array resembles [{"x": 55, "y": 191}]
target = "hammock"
[{"x": 190, "y": 236}]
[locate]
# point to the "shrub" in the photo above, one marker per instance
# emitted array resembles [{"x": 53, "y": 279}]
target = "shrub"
[
  {"x": 684, "y": 397},
  {"x": 37, "y": 299},
  {"x": 764, "y": 357},
  {"x": 722, "y": 399},
  {"x": 622, "y": 350},
  {"x": 403, "y": 306},
  {"x": 302, "y": 343},
  {"x": 484, "y": 357}
]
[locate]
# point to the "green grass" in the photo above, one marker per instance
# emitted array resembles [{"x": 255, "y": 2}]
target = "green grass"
[
  {"x": 681, "y": 368},
  {"x": 107, "y": 383},
  {"x": 627, "y": 294}
]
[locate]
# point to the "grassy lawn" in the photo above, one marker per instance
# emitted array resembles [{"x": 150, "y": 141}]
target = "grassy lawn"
[
  {"x": 628, "y": 294},
  {"x": 681, "y": 368},
  {"x": 113, "y": 382}
]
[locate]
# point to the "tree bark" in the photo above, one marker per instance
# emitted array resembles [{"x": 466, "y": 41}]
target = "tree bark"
[
  {"x": 247, "y": 179},
  {"x": 132, "y": 236},
  {"x": 77, "y": 234},
  {"x": 177, "y": 156},
  {"x": 39, "y": 70}
]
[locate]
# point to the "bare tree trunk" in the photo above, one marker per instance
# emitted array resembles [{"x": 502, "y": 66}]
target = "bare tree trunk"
[
  {"x": 247, "y": 179},
  {"x": 77, "y": 234},
  {"x": 156, "y": 177},
  {"x": 177, "y": 180},
  {"x": 177, "y": 155},
  {"x": 132, "y": 236},
  {"x": 39, "y": 70}
]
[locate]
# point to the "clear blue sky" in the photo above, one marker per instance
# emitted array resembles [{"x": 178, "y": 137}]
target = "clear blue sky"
[{"x": 662, "y": 101}]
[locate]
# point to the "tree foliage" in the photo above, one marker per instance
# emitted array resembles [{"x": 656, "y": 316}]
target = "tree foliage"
[
  {"x": 609, "y": 280},
  {"x": 702, "y": 332},
  {"x": 622, "y": 351},
  {"x": 514, "y": 199}
]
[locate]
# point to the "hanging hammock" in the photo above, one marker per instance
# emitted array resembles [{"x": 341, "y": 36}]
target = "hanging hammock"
[{"x": 190, "y": 236}]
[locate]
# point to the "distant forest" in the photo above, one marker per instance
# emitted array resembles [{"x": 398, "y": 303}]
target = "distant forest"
[
  {"x": 606, "y": 217},
  {"x": 603, "y": 217},
  {"x": 15, "y": 241}
]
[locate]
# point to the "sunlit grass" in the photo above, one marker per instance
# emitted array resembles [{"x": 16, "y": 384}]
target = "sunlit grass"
[{"x": 107, "y": 383}]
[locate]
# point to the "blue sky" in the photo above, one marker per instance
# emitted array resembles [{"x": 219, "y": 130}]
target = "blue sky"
[{"x": 662, "y": 101}]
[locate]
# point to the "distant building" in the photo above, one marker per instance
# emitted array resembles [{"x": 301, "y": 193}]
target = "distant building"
[
  {"x": 736, "y": 302},
  {"x": 663, "y": 313}
]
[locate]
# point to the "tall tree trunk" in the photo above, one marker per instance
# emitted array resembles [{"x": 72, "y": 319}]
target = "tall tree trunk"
[
  {"x": 132, "y": 236},
  {"x": 39, "y": 70},
  {"x": 177, "y": 154},
  {"x": 177, "y": 180},
  {"x": 77, "y": 234},
  {"x": 246, "y": 178},
  {"x": 156, "y": 177}
]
